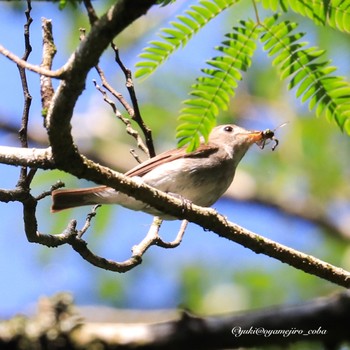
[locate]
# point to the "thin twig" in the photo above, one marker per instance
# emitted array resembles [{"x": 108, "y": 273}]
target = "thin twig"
[
  {"x": 91, "y": 12},
  {"x": 49, "y": 51},
  {"x": 57, "y": 74},
  {"x": 23, "y": 132},
  {"x": 22, "y": 73},
  {"x": 115, "y": 93},
  {"x": 80, "y": 246},
  {"x": 89, "y": 217},
  {"x": 70, "y": 236},
  {"x": 129, "y": 129},
  {"x": 136, "y": 116},
  {"x": 178, "y": 239},
  {"x": 85, "y": 57},
  {"x": 135, "y": 155},
  {"x": 150, "y": 239},
  {"x": 57, "y": 185},
  {"x": 153, "y": 238}
]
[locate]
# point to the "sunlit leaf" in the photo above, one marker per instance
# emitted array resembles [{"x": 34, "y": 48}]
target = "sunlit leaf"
[
  {"x": 335, "y": 13},
  {"x": 306, "y": 71},
  {"x": 179, "y": 33},
  {"x": 212, "y": 92}
]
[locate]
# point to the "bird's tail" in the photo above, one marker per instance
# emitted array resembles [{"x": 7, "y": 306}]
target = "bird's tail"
[{"x": 66, "y": 199}]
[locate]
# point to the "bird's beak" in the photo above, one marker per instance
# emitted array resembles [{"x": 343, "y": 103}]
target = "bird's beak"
[{"x": 255, "y": 136}]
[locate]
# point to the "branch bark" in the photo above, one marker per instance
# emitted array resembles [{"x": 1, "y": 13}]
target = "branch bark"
[
  {"x": 31, "y": 157},
  {"x": 58, "y": 74},
  {"x": 306, "y": 211},
  {"x": 58, "y": 324},
  {"x": 103, "y": 31},
  {"x": 207, "y": 218},
  {"x": 323, "y": 320}
]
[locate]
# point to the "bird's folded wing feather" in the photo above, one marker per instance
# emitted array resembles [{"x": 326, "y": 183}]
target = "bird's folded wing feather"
[{"x": 204, "y": 150}]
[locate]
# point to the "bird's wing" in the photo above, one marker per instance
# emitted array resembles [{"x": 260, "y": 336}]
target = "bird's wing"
[{"x": 203, "y": 150}]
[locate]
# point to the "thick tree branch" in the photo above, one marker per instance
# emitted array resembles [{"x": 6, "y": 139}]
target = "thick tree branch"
[
  {"x": 210, "y": 220},
  {"x": 311, "y": 213},
  {"x": 103, "y": 31},
  {"x": 207, "y": 218},
  {"x": 31, "y": 157},
  {"x": 323, "y": 320},
  {"x": 58, "y": 324}
]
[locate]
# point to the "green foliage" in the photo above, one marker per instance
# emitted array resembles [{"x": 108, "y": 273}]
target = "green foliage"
[
  {"x": 329, "y": 94},
  {"x": 300, "y": 65},
  {"x": 335, "y": 13},
  {"x": 180, "y": 32},
  {"x": 62, "y": 4},
  {"x": 212, "y": 92}
]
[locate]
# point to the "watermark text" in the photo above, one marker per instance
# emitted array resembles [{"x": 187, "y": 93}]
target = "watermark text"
[{"x": 238, "y": 331}]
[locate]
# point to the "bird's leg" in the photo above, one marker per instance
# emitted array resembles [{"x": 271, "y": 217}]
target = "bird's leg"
[{"x": 186, "y": 203}]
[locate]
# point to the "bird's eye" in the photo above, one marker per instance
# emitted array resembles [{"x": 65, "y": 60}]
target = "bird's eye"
[{"x": 228, "y": 128}]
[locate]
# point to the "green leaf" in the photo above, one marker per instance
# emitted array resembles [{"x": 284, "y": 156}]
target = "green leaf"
[
  {"x": 335, "y": 13},
  {"x": 212, "y": 92},
  {"x": 306, "y": 71},
  {"x": 179, "y": 33}
]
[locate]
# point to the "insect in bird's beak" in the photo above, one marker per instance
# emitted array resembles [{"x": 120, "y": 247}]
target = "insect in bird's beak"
[{"x": 268, "y": 135}]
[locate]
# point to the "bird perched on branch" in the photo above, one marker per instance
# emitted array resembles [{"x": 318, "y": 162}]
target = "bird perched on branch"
[{"x": 201, "y": 176}]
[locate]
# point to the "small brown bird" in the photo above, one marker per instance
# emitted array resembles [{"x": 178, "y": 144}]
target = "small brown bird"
[{"x": 200, "y": 177}]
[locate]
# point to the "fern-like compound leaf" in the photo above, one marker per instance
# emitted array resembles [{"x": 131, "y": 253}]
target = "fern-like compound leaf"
[
  {"x": 179, "y": 33},
  {"x": 212, "y": 92},
  {"x": 306, "y": 71}
]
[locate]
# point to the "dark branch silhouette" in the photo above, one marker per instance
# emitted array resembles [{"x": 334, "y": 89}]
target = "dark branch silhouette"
[{"x": 323, "y": 321}]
